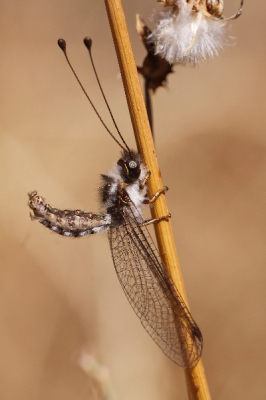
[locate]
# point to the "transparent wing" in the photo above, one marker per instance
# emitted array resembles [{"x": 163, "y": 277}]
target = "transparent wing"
[{"x": 152, "y": 293}]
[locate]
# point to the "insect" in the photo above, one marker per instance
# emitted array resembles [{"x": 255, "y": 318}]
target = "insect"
[{"x": 148, "y": 287}]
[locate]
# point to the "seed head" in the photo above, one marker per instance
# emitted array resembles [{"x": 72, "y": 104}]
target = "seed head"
[{"x": 189, "y": 31}]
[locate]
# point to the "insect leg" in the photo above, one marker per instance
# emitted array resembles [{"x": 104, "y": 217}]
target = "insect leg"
[
  {"x": 155, "y": 197},
  {"x": 145, "y": 180},
  {"x": 153, "y": 220}
]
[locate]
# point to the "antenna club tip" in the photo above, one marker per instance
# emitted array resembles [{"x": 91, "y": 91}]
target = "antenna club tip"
[
  {"x": 62, "y": 44},
  {"x": 88, "y": 42}
]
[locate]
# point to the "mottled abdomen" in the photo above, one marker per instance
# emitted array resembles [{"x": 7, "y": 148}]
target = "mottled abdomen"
[{"x": 66, "y": 222}]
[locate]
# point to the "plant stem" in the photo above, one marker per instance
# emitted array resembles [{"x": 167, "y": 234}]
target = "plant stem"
[
  {"x": 195, "y": 377},
  {"x": 148, "y": 104}
]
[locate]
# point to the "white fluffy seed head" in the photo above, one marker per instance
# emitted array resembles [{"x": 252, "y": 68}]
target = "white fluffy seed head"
[{"x": 186, "y": 36}]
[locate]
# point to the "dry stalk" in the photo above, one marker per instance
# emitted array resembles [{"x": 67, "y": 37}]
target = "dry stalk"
[{"x": 195, "y": 377}]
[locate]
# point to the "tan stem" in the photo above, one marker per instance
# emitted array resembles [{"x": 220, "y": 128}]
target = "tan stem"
[{"x": 195, "y": 377}]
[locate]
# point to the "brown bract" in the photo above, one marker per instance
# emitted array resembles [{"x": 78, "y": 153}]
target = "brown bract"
[
  {"x": 213, "y": 7},
  {"x": 166, "y": 3},
  {"x": 154, "y": 68}
]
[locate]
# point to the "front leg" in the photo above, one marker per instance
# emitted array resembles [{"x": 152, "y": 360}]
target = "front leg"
[
  {"x": 155, "y": 197},
  {"x": 145, "y": 179},
  {"x": 157, "y": 194}
]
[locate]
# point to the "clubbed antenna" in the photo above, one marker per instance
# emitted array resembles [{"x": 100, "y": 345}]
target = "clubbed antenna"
[
  {"x": 88, "y": 43},
  {"x": 62, "y": 45}
]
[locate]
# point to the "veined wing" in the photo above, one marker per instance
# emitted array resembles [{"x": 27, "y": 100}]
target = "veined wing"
[{"x": 152, "y": 293}]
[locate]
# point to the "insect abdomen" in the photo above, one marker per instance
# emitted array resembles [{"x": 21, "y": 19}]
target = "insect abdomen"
[{"x": 73, "y": 223}]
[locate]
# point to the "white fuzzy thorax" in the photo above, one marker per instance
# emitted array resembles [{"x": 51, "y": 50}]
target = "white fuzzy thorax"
[
  {"x": 136, "y": 194},
  {"x": 187, "y": 37}
]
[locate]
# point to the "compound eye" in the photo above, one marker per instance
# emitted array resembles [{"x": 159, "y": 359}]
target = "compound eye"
[
  {"x": 121, "y": 163},
  {"x": 133, "y": 172}
]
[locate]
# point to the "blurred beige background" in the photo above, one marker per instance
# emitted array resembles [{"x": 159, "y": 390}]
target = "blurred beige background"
[{"x": 60, "y": 296}]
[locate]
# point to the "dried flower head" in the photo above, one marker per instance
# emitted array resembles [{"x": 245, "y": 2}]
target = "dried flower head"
[{"x": 189, "y": 31}]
